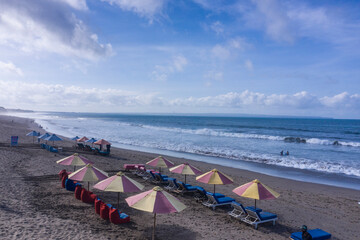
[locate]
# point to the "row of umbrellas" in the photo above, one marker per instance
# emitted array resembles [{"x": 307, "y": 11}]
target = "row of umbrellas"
[
  {"x": 157, "y": 200},
  {"x": 45, "y": 136}
]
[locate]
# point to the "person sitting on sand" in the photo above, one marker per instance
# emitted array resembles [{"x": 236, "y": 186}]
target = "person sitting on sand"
[
  {"x": 305, "y": 235},
  {"x": 282, "y": 153},
  {"x": 287, "y": 153}
]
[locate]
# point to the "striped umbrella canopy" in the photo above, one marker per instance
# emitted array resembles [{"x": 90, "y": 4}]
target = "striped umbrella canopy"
[
  {"x": 119, "y": 183},
  {"x": 33, "y": 134},
  {"x": 185, "y": 169},
  {"x": 89, "y": 173},
  {"x": 156, "y": 201},
  {"x": 83, "y": 139},
  {"x": 214, "y": 177},
  {"x": 74, "y": 160},
  {"x": 160, "y": 162},
  {"x": 256, "y": 190}
]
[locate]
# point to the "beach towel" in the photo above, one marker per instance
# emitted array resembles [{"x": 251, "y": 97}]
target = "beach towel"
[
  {"x": 14, "y": 141},
  {"x": 104, "y": 211},
  {"x": 117, "y": 217},
  {"x": 78, "y": 192},
  {"x": 70, "y": 185},
  {"x": 98, "y": 203}
]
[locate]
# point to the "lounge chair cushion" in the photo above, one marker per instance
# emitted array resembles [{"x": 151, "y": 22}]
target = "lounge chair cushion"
[
  {"x": 216, "y": 195},
  {"x": 266, "y": 215},
  {"x": 225, "y": 200},
  {"x": 251, "y": 208},
  {"x": 317, "y": 234}
]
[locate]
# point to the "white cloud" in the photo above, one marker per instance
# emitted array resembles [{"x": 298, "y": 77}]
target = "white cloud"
[
  {"x": 10, "y": 68},
  {"x": 177, "y": 64},
  {"x": 249, "y": 65},
  {"x": 220, "y": 52},
  {"x": 145, "y": 8},
  {"x": 214, "y": 75},
  {"x": 17, "y": 94},
  {"x": 48, "y": 26},
  {"x": 217, "y": 27},
  {"x": 76, "y": 4}
]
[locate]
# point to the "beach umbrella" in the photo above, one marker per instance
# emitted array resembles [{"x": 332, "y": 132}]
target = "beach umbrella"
[
  {"x": 160, "y": 162},
  {"x": 83, "y": 139},
  {"x": 33, "y": 134},
  {"x": 214, "y": 177},
  {"x": 91, "y": 140},
  {"x": 119, "y": 183},
  {"x": 74, "y": 160},
  {"x": 53, "y": 138},
  {"x": 89, "y": 173},
  {"x": 185, "y": 169},
  {"x": 256, "y": 190},
  {"x": 45, "y": 135},
  {"x": 156, "y": 201},
  {"x": 102, "y": 142},
  {"x": 75, "y": 138}
]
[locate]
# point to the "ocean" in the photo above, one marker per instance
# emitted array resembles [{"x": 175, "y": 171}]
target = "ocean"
[{"x": 320, "y": 150}]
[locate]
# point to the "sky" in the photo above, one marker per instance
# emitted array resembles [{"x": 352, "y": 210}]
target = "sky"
[{"x": 275, "y": 57}]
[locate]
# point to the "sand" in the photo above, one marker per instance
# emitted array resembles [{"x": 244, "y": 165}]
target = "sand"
[{"x": 34, "y": 206}]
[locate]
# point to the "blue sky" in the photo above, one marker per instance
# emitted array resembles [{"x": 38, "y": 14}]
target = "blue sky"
[{"x": 196, "y": 56}]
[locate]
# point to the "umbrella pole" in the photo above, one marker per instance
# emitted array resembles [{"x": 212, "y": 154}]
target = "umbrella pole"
[
  {"x": 185, "y": 178},
  {"x": 153, "y": 235},
  {"x": 74, "y": 168},
  {"x": 214, "y": 188},
  {"x": 255, "y": 203},
  {"x": 118, "y": 200},
  {"x": 88, "y": 186}
]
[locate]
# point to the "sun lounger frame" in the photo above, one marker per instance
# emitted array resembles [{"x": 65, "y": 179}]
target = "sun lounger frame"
[{"x": 254, "y": 219}]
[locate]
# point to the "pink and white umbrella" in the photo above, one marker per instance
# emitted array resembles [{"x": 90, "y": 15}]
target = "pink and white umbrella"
[
  {"x": 89, "y": 173},
  {"x": 160, "y": 162},
  {"x": 155, "y": 201},
  {"x": 185, "y": 169},
  {"x": 214, "y": 177},
  {"x": 74, "y": 160},
  {"x": 83, "y": 139},
  {"x": 119, "y": 183}
]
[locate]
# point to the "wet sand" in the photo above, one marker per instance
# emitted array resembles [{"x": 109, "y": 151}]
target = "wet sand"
[{"x": 34, "y": 206}]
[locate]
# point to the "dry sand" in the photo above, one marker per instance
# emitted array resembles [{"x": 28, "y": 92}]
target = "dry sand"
[{"x": 34, "y": 206}]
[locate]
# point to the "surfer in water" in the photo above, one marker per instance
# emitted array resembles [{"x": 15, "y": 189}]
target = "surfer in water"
[{"x": 282, "y": 153}]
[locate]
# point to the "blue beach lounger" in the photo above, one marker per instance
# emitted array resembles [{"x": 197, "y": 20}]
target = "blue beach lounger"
[
  {"x": 239, "y": 211},
  {"x": 255, "y": 218},
  {"x": 214, "y": 201},
  {"x": 317, "y": 234}
]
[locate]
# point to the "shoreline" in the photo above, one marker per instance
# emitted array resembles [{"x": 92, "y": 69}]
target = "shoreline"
[
  {"x": 290, "y": 173},
  {"x": 334, "y": 209}
]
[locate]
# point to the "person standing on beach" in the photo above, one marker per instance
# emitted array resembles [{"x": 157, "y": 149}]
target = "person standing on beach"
[{"x": 305, "y": 235}]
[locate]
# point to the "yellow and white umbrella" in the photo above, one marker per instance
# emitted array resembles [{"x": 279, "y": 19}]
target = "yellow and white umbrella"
[
  {"x": 256, "y": 190},
  {"x": 119, "y": 183},
  {"x": 156, "y": 201}
]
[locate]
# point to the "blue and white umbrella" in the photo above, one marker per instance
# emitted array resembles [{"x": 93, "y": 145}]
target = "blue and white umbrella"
[
  {"x": 75, "y": 138},
  {"x": 33, "y": 134},
  {"x": 53, "y": 138},
  {"x": 45, "y": 135},
  {"x": 91, "y": 140}
]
